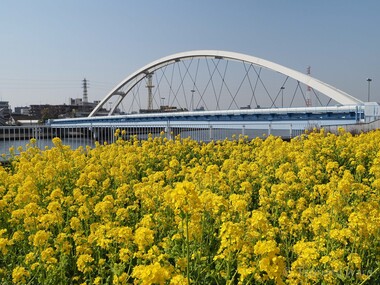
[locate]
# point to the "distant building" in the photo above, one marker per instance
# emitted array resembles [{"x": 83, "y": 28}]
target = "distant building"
[
  {"x": 44, "y": 112},
  {"x": 163, "y": 109},
  {"x": 22, "y": 111},
  {"x": 5, "y": 109},
  {"x": 76, "y": 101},
  {"x": 5, "y": 112},
  {"x": 81, "y": 108}
]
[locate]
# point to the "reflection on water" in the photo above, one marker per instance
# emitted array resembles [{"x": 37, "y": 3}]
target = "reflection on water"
[
  {"x": 74, "y": 143},
  {"x": 204, "y": 134}
]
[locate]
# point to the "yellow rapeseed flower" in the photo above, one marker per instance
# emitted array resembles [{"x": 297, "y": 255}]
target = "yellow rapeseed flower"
[
  {"x": 20, "y": 275},
  {"x": 151, "y": 274},
  {"x": 40, "y": 238},
  {"x": 84, "y": 262},
  {"x": 143, "y": 237}
]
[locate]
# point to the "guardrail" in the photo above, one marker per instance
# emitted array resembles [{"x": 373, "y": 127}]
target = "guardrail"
[
  {"x": 83, "y": 135},
  {"x": 355, "y": 128}
]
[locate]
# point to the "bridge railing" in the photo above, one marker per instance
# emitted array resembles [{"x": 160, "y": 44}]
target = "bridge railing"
[
  {"x": 355, "y": 128},
  {"x": 15, "y": 138}
]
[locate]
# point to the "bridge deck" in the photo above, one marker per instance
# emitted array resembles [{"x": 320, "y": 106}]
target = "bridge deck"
[{"x": 318, "y": 115}]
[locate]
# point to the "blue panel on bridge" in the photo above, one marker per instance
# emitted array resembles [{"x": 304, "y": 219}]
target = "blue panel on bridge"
[{"x": 207, "y": 117}]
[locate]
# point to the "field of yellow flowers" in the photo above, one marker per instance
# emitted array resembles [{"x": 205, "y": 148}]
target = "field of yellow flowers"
[{"x": 159, "y": 211}]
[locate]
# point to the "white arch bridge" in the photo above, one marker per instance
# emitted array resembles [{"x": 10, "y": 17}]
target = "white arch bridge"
[{"x": 219, "y": 94}]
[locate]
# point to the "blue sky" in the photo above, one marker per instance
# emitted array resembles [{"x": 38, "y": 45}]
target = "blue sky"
[{"x": 47, "y": 47}]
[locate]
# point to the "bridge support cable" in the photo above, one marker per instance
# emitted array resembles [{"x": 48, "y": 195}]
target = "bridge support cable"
[
  {"x": 171, "y": 91},
  {"x": 250, "y": 85},
  {"x": 171, "y": 84},
  {"x": 187, "y": 73},
  {"x": 294, "y": 95},
  {"x": 211, "y": 74},
  {"x": 139, "y": 103},
  {"x": 159, "y": 82},
  {"x": 160, "y": 79},
  {"x": 275, "y": 99},
  {"x": 240, "y": 85},
  {"x": 298, "y": 87},
  {"x": 181, "y": 85},
  {"x": 176, "y": 91},
  {"x": 254, "y": 90},
  {"x": 303, "y": 94},
  {"x": 129, "y": 110},
  {"x": 316, "y": 96},
  {"x": 194, "y": 85},
  {"x": 223, "y": 83},
  {"x": 138, "y": 97},
  {"x": 210, "y": 80},
  {"x": 157, "y": 91},
  {"x": 217, "y": 96},
  {"x": 266, "y": 90},
  {"x": 280, "y": 90}
]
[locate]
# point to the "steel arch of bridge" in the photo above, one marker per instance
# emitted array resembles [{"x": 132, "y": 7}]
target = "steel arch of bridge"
[{"x": 324, "y": 88}]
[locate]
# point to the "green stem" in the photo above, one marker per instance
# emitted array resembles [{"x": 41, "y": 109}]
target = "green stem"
[
  {"x": 228, "y": 268},
  {"x": 369, "y": 277},
  {"x": 187, "y": 249}
]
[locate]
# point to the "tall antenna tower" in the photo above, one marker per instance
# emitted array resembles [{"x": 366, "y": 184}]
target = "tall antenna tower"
[
  {"x": 85, "y": 97},
  {"x": 308, "y": 92},
  {"x": 150, "y": 86}
]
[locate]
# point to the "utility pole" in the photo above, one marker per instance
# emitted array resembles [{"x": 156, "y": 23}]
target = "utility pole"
[
  {"x": 192, "y": 99},
  {"x": 282, "y": 96}
]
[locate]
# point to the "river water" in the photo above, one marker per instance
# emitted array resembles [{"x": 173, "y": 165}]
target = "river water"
[
  {"x": 74, "y": 143},
  {"x": 200, "y": 134}
]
